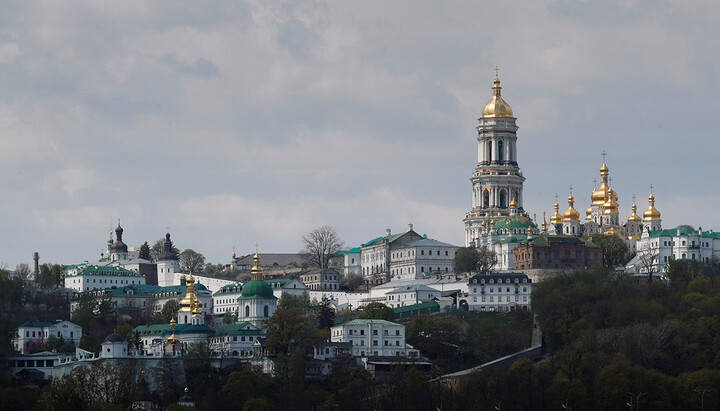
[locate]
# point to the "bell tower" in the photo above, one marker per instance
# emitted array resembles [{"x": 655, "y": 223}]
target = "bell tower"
[{"x": 497, "y": 180}]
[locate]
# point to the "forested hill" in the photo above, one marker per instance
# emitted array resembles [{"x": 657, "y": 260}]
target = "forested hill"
[{"x": 612, "y": 339}]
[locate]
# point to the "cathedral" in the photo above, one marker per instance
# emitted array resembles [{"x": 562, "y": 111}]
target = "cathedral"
[
  {"x": 603, "y": 215},
  {"x": 497, "y": 219}
]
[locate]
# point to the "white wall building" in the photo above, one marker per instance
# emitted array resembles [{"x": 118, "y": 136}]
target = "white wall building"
[
  {"x": 351, "y": 261},
  {"x": 96, "y": 277},
  {"x": 498, "y": 292},
  {"x": 656, "y": 248},
  {"x": 411, "y": 294},
  {"x": 37, "y": 333},
  {"x": 235, "y": 340},
  {"x": 325, "y": 279},
  {"x": 372, "y": 337}
]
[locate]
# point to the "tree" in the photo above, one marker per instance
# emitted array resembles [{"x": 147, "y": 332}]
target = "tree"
[
  {"x": 325, "y": 314},
  {"x": 466, "y": 260},
  {"x": 158, "y": 248},
  {"x": 23, "y": 270},
  {"x": 486, "y": 259},
  {"x": 290, "y": 328},
  {"x": 168, "y": 312},
  {"x": 51, "y": 275},
  {"x": 191, "y": 260},
  {"x": 320, "y": 245},
  {"x": 613, "y": 247},
  {"x": 144, "y": 251},
  {"x": 352, "y": 281},
  {"x": 378, "y": 311}
]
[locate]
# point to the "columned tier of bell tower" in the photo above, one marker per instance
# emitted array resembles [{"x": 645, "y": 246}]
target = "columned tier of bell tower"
[{"x": 497, "y": 179}]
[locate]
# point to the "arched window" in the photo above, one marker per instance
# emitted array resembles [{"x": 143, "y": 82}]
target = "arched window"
[
  {"x": 503, "y": 199},
  {"x": 486, "y": 199},
  {"x": 266, "y": 309},
  {"x": 489, "y": 151},
  {"x": 500, "y": 151},
  {"x": 247, "y": 311}
]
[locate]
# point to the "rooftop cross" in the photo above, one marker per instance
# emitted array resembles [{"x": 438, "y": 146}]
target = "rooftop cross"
[
  {"x": 594, "y": 183},
  {"x": 571, "y": 188},
  {"x": 633, "y": 198},
  {"x": 604, "y": 154},
  {"x": 651, "y": 188},
  {"x": 496, "y": 71},
  {"x": 556, "y": 197},
  {"x": 256, "y": 248}
]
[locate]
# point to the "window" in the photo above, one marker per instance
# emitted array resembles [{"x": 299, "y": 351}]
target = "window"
[
  {"x": 375, "y": 332},
  {"x": 362, "y": 332}
]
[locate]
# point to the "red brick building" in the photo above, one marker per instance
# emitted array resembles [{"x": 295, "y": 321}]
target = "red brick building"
[{"x": 557, "y": 251}]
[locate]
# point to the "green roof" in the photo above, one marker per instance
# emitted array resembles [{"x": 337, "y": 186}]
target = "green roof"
[
  {"x": 105, "y": 270},
  {"x": 257, "y": 289},
  {"x": 151, "y": 329},
  {"x": 389, "y": 238},
  {"x": 230, "y": 288},
  {"x": 238, "y": 329},
  {"x": 516, "y": 221},
  {"x": 684, "y": 231},
  {"x": 355, "y": 250},
  {"x": 510, "y": 239},
  {"x": 366, "y": 321},
  {"x": 432, "y": 306}
]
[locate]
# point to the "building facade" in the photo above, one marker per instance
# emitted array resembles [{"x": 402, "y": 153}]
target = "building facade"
[
  {"x": 499, "y": 292},
  {"x": 372, "y": 337},
  {"x": 31, "y": 336},
  {"x": 557, "y": 252},
  {"x": 497, "y": 179}
]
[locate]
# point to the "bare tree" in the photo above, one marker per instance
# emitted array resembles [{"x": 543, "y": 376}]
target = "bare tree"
[
  {"x": 319, "y": 245},
  {"x": 486, "y": 259}
]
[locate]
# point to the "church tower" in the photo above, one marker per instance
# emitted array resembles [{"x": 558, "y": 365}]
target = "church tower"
[
  {"x": 167, "y": 264},
  {"x": 497, "y": 180}
]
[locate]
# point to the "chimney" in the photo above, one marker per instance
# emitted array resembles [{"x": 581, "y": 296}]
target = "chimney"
[
  {"x": 410, "y": 227},
  {"x": 387, "y": 231},
  {"x": 36, "y": 271}
]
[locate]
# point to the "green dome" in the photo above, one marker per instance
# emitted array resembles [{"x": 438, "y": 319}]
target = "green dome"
[
  {"x": 516, "y": 221},
  {"x": 257, "y": 289}
]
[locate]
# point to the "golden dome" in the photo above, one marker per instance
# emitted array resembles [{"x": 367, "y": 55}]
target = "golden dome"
[
  {"x": 652, "y": 214},
  {"x": 588, "y": 213},
  {"x": 614, "y": 231},
  {"x": 497, "y": 107},
  {"x": 634, "y": 216},
  {"x": 492, "y": 223},
  {"x": 544, "y": 226},
  {"x": 482, "y": 224},
  {"x": 513, "y": 203},
  {"x": 556, "y": 218},
  {"x": 256, "y": 271},
  {"x": 599, "y": 195},
  {"x": 529, "y": 230},
  {"x": 571, "y": 213},
  {"x": 190, "y": 303},
  {"x": 611, "y": 205}
]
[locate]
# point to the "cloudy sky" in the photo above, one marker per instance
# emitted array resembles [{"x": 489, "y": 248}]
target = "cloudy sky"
[{"x": 235, "y": 122}]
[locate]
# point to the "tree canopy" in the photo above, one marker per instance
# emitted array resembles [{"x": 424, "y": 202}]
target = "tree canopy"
[
  {"x": 191, "y": 260},
  {"x": 320, "y": 245},
  {"x": 378, "y": 311},
  {"x": 614, "y": 249}
]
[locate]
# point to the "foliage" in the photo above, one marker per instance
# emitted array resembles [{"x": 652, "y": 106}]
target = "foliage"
[
  {"x": 95, "y": 386},
  {"x": 144, "y": 251},
  {"x": 51, "y": 275},
  {"x": 96, "y": 314},
  {"x": 351, "y": 282},
  {"x": 378, "y": 311},
  {"x": 466, "y": 260},
  {"x": 325, "y": 314},
  {"x": 230, "y": 317},
  {"x": 614, "y": 249},
  {"x": 289, "y": 301},
  {"x": 290, "y": 328},
  {"x": 191, "y": 260},
  {"x": 320, "y": 245},
  {"x": 168, "y": 312},
  {"x": 159, "y": 247},
  {"x": 11, "y": 292},
  {"x": 198, "y": 356},
  {"x": 486, "y": 259}
]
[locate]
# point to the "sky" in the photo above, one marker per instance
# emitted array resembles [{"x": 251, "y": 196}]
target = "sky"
[{"x": 231, "y": 123}]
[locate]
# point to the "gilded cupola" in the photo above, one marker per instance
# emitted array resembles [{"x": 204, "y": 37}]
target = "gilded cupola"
[
  {"x": 571, "y": 213},
  {"x": 497, "y": 107},
  {"x": 634, "y": 217},
  {"x": 191, "y": 303},
  {"x": 600, "y": 194},
  {"x": 513, "y": 203},
  {"x": 652, "y": 214},
  {"x": 611, "y": 205},
  {"x": 556, "y": 218}
]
